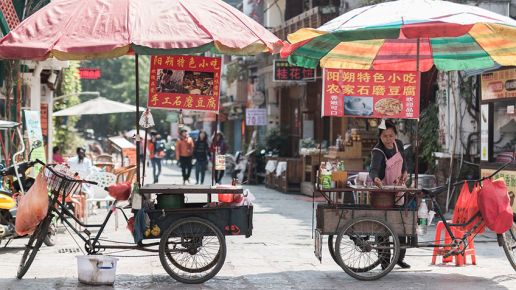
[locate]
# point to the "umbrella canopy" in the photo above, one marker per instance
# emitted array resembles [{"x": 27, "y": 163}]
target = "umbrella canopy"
[
  {"x": 451, "y": 36},
  {"x": 78, "y": 29},
  {"x": 97, "y": 106}
]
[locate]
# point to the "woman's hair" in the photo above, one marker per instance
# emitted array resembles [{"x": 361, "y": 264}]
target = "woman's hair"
[
  {"x": 55, "y": 149},
  {"x": 388, "y": 124}
]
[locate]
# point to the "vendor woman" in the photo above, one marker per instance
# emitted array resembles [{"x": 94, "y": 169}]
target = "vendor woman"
[{"x": 388, "y": 168}]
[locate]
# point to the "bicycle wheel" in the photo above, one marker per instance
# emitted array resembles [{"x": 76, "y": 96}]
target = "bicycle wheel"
[
  {"x": 192, "y": 250},
  {"x": 331, "y": 248},
  {"x": 32, "y": 247},
  {"x": 509, "y": 245},
  {"x": 367, "y": 248}
]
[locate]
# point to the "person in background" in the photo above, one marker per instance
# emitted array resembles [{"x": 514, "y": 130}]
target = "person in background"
[
  {"x": 218, "y": 147},
  {"x": 388, "y": 168},
  {"x": 201, "y": 152},
  {"x": 80, "y": 163},
  {"x": 56, "y": 155},
  {"x": 184, "y": 152},
  {"x": 156, "y": 153}
]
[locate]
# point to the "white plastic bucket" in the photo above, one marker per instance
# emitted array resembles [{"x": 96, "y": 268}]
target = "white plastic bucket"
[{"x": 96, "y": 270}]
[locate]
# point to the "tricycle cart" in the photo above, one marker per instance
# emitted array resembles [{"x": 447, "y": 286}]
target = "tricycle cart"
[
  {"x": 365, "y": 241},
  {"x": 191, "y": 246}
]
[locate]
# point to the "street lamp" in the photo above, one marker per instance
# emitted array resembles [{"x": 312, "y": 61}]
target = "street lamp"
[{"x": 51, "y": 101}]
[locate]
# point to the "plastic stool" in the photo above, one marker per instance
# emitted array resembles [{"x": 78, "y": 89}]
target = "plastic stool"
[{"x": 460, "y": 260}]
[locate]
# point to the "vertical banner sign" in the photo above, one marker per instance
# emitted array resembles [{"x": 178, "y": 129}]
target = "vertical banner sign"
[
  {"x": 220, "y": 162},
  {"x": 185, "y": 82},
  {"x": 256, "y": 117},
  {"x": 500, "y": 84},
  {"x": 33, "y": 127},
  {"x": 484, "y": 132},
  {"x": 371, "y": 94}
]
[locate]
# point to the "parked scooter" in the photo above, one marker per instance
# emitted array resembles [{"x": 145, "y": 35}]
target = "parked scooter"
[{"x": 8, "y": 198}]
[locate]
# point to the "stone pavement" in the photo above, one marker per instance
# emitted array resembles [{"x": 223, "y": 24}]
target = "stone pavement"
[{"x": 279, "y": 255}]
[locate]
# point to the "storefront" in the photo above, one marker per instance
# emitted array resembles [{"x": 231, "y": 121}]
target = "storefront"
[{"x": 498, "y": 124}]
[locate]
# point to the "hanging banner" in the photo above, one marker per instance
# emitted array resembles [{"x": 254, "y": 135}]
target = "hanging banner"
[
  {"x": 256, "y": 117},
  {"x": 285, "y": 72},
  {"x": 184, "y": 82},
  {"x": 500, "y": 84},
  {"x": 33, "y": 127},
  {"x": 370, "y": 94}
]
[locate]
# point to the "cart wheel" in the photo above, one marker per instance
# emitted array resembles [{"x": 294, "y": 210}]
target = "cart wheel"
[
  {"x": 331, "y": 248},
  {"x": 367, "y": 248},
  {"x": 192, "y": 250},
  {"x": 509, "y": 245}
]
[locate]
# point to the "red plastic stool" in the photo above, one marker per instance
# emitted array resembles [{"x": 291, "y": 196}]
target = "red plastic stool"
[{"x": 460, "y": 260}]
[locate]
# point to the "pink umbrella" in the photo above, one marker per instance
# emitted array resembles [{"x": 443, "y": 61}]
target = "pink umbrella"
[
  {"x": 89, "y": 29},
  {"x": 78, "y": 29}
]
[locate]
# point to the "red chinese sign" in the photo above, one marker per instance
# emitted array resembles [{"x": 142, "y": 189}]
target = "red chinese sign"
[
  {"x": 185, "y": 82},
  {"x": 370, "y": 94},
  {"x": 89, "y": 73}
]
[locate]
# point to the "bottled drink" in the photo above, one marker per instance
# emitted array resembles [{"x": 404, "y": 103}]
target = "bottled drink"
[{"x": 422, "y": 218}]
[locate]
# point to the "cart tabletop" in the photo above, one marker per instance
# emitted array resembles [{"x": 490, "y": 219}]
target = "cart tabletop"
[
  {"x": 372, "y": 189},
  {"x": 190, "y": 189}
]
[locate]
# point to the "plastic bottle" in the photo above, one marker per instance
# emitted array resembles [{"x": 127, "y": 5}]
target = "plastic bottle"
[{"x": 422, "y": 218}]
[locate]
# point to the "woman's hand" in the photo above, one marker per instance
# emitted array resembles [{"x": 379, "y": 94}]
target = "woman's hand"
[
  {"x": 378, "y": 182},
  {"x": 404, "y": 178}
]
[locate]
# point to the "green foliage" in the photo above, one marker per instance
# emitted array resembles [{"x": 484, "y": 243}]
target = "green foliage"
[
  {"x": 275, "y": 140},
  {"x": 64, "y": 127},
  {"x": 118, "y": 83},
  {"x": 428, "y": 128}
]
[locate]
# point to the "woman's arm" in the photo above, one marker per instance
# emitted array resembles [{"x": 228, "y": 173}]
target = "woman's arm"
[{"x": 376, "y": 166}]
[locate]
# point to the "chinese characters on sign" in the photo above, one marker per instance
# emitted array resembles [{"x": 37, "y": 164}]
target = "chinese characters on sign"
[
  {"x": 370, "y": 94},
  {"x": 499, "y": 84},
  {"x": 256, "y": 117},
  {"x": 89, "y": 73},
  {"x": 184, "y": 82},
  {"x": 283, "y": 71}
]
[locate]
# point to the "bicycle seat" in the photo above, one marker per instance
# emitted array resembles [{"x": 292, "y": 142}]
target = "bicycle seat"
[{"x": 434, "y": 191}]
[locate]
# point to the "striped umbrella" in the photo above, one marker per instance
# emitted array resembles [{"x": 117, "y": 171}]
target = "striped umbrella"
[{"x": 395, "y": 35}]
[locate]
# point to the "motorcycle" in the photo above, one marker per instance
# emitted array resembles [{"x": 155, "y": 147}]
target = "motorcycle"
[{"x": 8, "y": 197}]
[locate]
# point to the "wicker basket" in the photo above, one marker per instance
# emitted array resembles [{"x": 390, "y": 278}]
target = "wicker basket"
[{"x": 382, "y": 199}]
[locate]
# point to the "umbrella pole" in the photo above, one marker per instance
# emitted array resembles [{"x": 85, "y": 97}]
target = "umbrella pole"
[
  {"x": 145, "y": 157},
  {"x": 416, "y": 153},
  {"x": 136, "y": 71},
  {"x": 213, "y": 172}
]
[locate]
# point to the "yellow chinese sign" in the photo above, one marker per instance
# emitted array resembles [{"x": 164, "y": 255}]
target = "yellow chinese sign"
[
  {"x": 499, "y": 84},
  {"x": 510, "y": 180}
]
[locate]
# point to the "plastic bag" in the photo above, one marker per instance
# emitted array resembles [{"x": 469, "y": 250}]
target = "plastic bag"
[
  {"x": 467, "y": 207},
  {"x": 494, "y": 204},
  {"x": 120, "y": 191},
  {"x": 32, "y": 207}
]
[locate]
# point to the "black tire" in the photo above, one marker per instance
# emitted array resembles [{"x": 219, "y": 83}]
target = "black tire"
[
  {"x": 192, "y": 240},
  {"x": 32, "y": 247},
  {"x": 509, "y": 245},
  {"x": 331, "y": 248},
  {"x": 50, "y": 238},
  {"x": 367, "y": 248}
]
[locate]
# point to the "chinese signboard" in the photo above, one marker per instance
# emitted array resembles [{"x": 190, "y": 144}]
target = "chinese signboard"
[
  {"x": 499, "y": 84},
  {"x": 283, "y": 71},
  {"x": 370, "y": 94},
  {"x": 184, "y": 82},
  {"x": 508, "y": 176},
  {"x": 89, "y": 73},
  {"x": 256, "y": 117}
]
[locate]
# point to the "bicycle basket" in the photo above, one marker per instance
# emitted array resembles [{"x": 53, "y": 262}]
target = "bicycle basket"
[{"x": 61, "y": 180}]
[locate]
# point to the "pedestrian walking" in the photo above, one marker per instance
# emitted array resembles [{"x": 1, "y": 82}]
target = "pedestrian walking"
[
  {"x": 156, "y": 154},
  {"x": 218, "y": 147},
  {"x": 201, "y": 153},
  {"x": 184, "y": 152}
]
